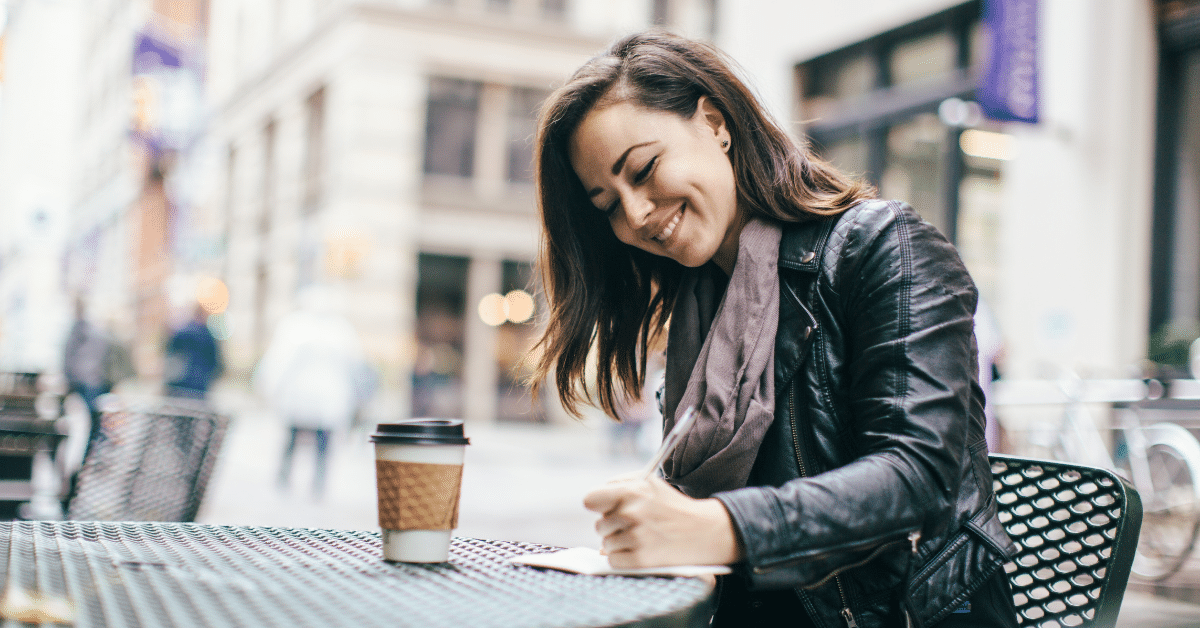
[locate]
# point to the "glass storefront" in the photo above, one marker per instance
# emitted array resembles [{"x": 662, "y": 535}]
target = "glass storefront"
[
  {"x": 441, "y": 328},
  {"x": 914, "y": 168},
  {"x": 1175, "y": 247},
  {"x": 1186, "y": 278},
  {"x": 514, "y": 338},
  {"x": 873, "y": 109}
]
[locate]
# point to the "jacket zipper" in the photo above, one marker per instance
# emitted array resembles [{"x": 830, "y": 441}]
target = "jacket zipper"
[
  {"x": 913, "y": 537},
  {"x": 873, "y": 545},
  {"x": 846, "y": 613},
  {"x": 795, "y": 430}
]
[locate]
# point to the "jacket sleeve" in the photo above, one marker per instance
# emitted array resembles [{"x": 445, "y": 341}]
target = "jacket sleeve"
[{"x": 901, "y": 304}]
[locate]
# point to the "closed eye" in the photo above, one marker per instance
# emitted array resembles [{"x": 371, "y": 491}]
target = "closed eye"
[
  {"x": 638, "y": 178},
  {"x": 645, "y": 171}
]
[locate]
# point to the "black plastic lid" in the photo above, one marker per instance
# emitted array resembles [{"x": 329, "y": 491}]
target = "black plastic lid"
[{"x": 421, "y": 432}]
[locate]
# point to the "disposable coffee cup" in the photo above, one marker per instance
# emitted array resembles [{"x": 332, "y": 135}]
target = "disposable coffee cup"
[{"x": 418, "y": 473}]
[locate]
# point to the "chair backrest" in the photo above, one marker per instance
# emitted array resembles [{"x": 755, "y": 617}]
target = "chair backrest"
[
  {"x": 151, "y": 462},
  {"x": 1077, "y": 528}
]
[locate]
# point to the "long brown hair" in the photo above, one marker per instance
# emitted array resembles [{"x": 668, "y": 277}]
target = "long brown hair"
[{"x": 615, "y": 298}]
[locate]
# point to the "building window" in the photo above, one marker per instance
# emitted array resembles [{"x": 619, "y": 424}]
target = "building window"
[
  {"x": 266, "y": 212},
  {"x": 1175, "y": 240},
  {"x": 522, "y": 126},
  {"x": 450, "y": 127},
  {"x": 231, "y": 166},
  {"x": 268, "y": 180},
  {"x": 514, "y": 339},
  {"x": 712, "y": 10},
  {"x": 914, "y": 166},
  {"x": 554, "y": 9},
  {"x": 872, "y": 109},
  {"x": 314, "y": 157},
  {"x": 923, "y": 58},
  {"x": 441, "y": 329},
  {"x": 660, "y": 12},
  {"x": 483, "y": 132}
]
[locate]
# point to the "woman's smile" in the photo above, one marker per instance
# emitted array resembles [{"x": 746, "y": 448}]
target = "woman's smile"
[{"x": 667, "y": 232}]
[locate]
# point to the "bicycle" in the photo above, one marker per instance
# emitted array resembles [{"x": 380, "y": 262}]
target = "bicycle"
[{"x": 1161, "y": 461}]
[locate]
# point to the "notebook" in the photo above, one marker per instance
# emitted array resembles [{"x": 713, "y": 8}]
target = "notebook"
[{"x": 585, "y": 560}]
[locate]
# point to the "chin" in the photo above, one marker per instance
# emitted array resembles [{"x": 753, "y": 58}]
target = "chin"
[{"x": 692, "y": 260}]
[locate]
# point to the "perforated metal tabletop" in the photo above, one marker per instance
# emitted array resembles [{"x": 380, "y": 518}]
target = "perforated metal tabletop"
[{"x": 178, "y": 574}]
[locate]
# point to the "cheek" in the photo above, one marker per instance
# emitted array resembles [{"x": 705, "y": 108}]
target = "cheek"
[
  {"x": 621, "y": 229},
  {"x": 726, "y": 189}
]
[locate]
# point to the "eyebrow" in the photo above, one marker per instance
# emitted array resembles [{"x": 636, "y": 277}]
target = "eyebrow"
[{"x": 616, "y": 169}]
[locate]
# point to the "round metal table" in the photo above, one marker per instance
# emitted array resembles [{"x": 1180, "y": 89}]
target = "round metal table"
[{"x": 178, "y": 574}]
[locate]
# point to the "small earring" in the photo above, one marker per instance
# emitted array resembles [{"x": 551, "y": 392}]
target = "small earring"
[{"x": 724, "y": 143}]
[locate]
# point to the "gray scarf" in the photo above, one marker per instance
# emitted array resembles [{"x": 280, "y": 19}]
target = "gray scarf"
[{"x": 730, "y": 376}]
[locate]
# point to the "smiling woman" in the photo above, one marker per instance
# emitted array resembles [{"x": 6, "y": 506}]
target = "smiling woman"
[{"x": 837, "y": 459}]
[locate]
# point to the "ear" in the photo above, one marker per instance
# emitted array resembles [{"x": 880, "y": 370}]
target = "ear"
[{"x": 711, "y": 117}]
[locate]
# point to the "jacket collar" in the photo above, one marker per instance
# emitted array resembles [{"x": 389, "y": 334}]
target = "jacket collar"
[
  {"x": 801, "y": 244},
  {"x": 800, "y": 249}
]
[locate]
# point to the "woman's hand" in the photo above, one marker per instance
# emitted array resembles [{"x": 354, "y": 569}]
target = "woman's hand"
[{"x": 647, "y": 523}]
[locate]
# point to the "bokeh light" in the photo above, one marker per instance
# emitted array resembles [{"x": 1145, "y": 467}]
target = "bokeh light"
[
  {"x": 988, "y": 144},
  {"x": 212, "y": 295},
  {"x": 518, "y": 306},
  {"x": 492, "y": 309}
]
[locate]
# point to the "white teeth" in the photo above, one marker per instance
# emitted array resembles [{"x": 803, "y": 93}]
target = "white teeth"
[{"x": 666, "y": 233}]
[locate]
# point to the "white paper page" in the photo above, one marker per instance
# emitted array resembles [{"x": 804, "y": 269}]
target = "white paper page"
[{"x": 585, "y": 560}]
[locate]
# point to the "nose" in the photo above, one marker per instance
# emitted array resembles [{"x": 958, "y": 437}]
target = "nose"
[{"x": 637, "y": 207}]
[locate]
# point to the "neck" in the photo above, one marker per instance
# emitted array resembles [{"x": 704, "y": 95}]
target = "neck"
[{"x": 726, "y": 255}]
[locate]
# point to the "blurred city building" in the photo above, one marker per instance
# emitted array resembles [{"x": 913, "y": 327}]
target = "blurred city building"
[
  {"x": 103, "y": 103},
  {"x": 385, "y": 148},
  {"x": 1081, "y": 229},
  {"x": 158, "y": 152}
]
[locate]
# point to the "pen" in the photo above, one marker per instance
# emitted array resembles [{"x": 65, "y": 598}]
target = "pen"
[{"x": 669, "y": 442}]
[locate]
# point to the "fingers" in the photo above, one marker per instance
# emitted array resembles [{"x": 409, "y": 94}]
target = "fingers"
[
  {"x": 618, "y": 543},
  {"x": 624, "y": 551},
  {"x": 603, "y": 499},
  {"x": 609, "y": 496},
  {"x": 628, "y": 476},
  {"x": 610, "y": 525}
]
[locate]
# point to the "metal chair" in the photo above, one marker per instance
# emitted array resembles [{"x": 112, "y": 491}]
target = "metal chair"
[
  {"x": 29, "y": 440},
  {"x": 151, "y": 462},
  {"x": 1077, "y": 528}
]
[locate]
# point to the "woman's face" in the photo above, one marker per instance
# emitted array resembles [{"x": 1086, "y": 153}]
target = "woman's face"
[{"x": 664, "y": 181}]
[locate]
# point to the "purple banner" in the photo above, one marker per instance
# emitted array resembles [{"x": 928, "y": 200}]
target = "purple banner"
[
  {"x": 150, "y": 54},
  {"x": 1008, "y": 88}
]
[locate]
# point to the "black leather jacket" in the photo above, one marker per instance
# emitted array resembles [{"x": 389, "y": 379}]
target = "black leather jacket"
[{"x": 872, "y": 494}]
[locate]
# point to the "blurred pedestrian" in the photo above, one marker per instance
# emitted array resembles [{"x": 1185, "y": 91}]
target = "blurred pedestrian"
[
  {"x": 193, "y": 359},
  {"x": 93, "y": 364},
  {"x": 315, "y": 376},
  {"x": 87, "y": 364}
]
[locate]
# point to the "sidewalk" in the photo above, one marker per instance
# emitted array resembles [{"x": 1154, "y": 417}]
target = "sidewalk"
[
  {"x": 520, "y": 482},
  {"x": 1143, "y": 610}
]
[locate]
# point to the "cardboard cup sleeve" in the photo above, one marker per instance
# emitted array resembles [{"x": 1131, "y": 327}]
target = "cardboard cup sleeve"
[{"x": 418, "y": 496}]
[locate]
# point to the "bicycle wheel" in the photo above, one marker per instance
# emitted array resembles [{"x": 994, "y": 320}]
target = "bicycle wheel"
[{"x": 1171, "y": 504}]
